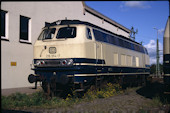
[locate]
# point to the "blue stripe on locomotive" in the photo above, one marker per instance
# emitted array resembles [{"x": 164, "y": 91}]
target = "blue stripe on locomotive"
[{"x": 86, "y": 70}]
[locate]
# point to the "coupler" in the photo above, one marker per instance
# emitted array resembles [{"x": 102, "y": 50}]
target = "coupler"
[{"x": 34, "y": 78}]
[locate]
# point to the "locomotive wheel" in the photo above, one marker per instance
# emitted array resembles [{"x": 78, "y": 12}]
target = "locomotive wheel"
[
  {"x": 145, "y": 80},
  {"x": 53, "y": 87},
  {"x": 46, "y": 88},
  {"x": 121, "y": 82}
]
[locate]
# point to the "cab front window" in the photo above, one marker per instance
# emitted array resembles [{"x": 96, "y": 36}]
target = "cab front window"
[
  {"x": 47, "y": 34},
  {"x": 66, "y": 32}
]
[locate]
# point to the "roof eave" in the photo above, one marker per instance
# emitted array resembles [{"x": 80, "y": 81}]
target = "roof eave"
[{"x": 88, "y": 9}]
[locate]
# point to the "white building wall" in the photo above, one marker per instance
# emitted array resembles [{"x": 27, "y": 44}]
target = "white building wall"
[{"x": 22, "y": 53}]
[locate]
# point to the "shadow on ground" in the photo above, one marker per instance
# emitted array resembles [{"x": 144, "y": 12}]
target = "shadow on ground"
[
  {"x": 153, "y": 90},
  {"x": 13, "y": 111}
]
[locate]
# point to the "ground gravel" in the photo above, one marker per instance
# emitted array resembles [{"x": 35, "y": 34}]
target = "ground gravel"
[{"x": 133, "y": 100}]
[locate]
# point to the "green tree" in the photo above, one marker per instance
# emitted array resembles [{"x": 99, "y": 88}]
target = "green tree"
[{"x": 153, "y": 68}]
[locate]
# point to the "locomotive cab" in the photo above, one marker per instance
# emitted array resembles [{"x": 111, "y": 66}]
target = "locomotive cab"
[
  {"x": 57, "y": 51},
  {"x": 62, "y": 42}
]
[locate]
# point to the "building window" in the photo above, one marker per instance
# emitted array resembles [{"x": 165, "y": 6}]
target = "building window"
[
  {"x": 24, "y": 29},
  {"x": 4, "y": 22}
]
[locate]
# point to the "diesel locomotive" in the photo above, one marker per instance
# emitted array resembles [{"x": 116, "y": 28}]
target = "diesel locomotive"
[{"x": 77, "y": 54}]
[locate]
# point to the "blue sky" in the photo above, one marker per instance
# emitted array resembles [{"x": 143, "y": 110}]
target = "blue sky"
[{"x": 142, "y": 15}]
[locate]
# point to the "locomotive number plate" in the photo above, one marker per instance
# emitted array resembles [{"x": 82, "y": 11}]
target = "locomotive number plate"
[{"x": 52, "y": 50}]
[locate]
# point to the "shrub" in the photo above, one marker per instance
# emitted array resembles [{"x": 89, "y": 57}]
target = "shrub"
[{"x": 107, "y": 91}]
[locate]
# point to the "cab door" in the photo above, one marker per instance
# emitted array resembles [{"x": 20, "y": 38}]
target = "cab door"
[
  {"x": 99, "y": 52},
  {"x": 97, "y": 46},
  {"x": 99, "y": 38}
]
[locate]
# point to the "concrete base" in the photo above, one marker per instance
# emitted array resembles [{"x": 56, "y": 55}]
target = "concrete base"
[{"x": 27, "y": 90}]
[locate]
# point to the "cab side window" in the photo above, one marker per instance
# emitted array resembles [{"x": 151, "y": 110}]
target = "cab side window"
[{"x": 88, "y": 34}]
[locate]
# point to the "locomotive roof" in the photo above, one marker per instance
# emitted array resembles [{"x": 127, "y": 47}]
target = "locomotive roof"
[{"x": 71, "y": 22}]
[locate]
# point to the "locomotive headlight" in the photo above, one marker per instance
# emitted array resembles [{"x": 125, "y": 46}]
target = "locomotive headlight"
[
  {"x": 38, "y": 62},
  {"x": 67, "y": 62},
  {"x": 42, "y": 62},
  {"x": 70, "y": 62},
  {"x": 64, "y": 62}
]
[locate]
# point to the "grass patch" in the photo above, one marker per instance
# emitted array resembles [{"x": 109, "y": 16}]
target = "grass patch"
[
  {"x": 38, "y": 100},
  {"x": 156, "y": 102},
  {"x": 18, "y": 100}
]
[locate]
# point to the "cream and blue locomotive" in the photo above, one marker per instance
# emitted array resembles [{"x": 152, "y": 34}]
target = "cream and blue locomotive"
[{"x": 77, "y": 54}]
